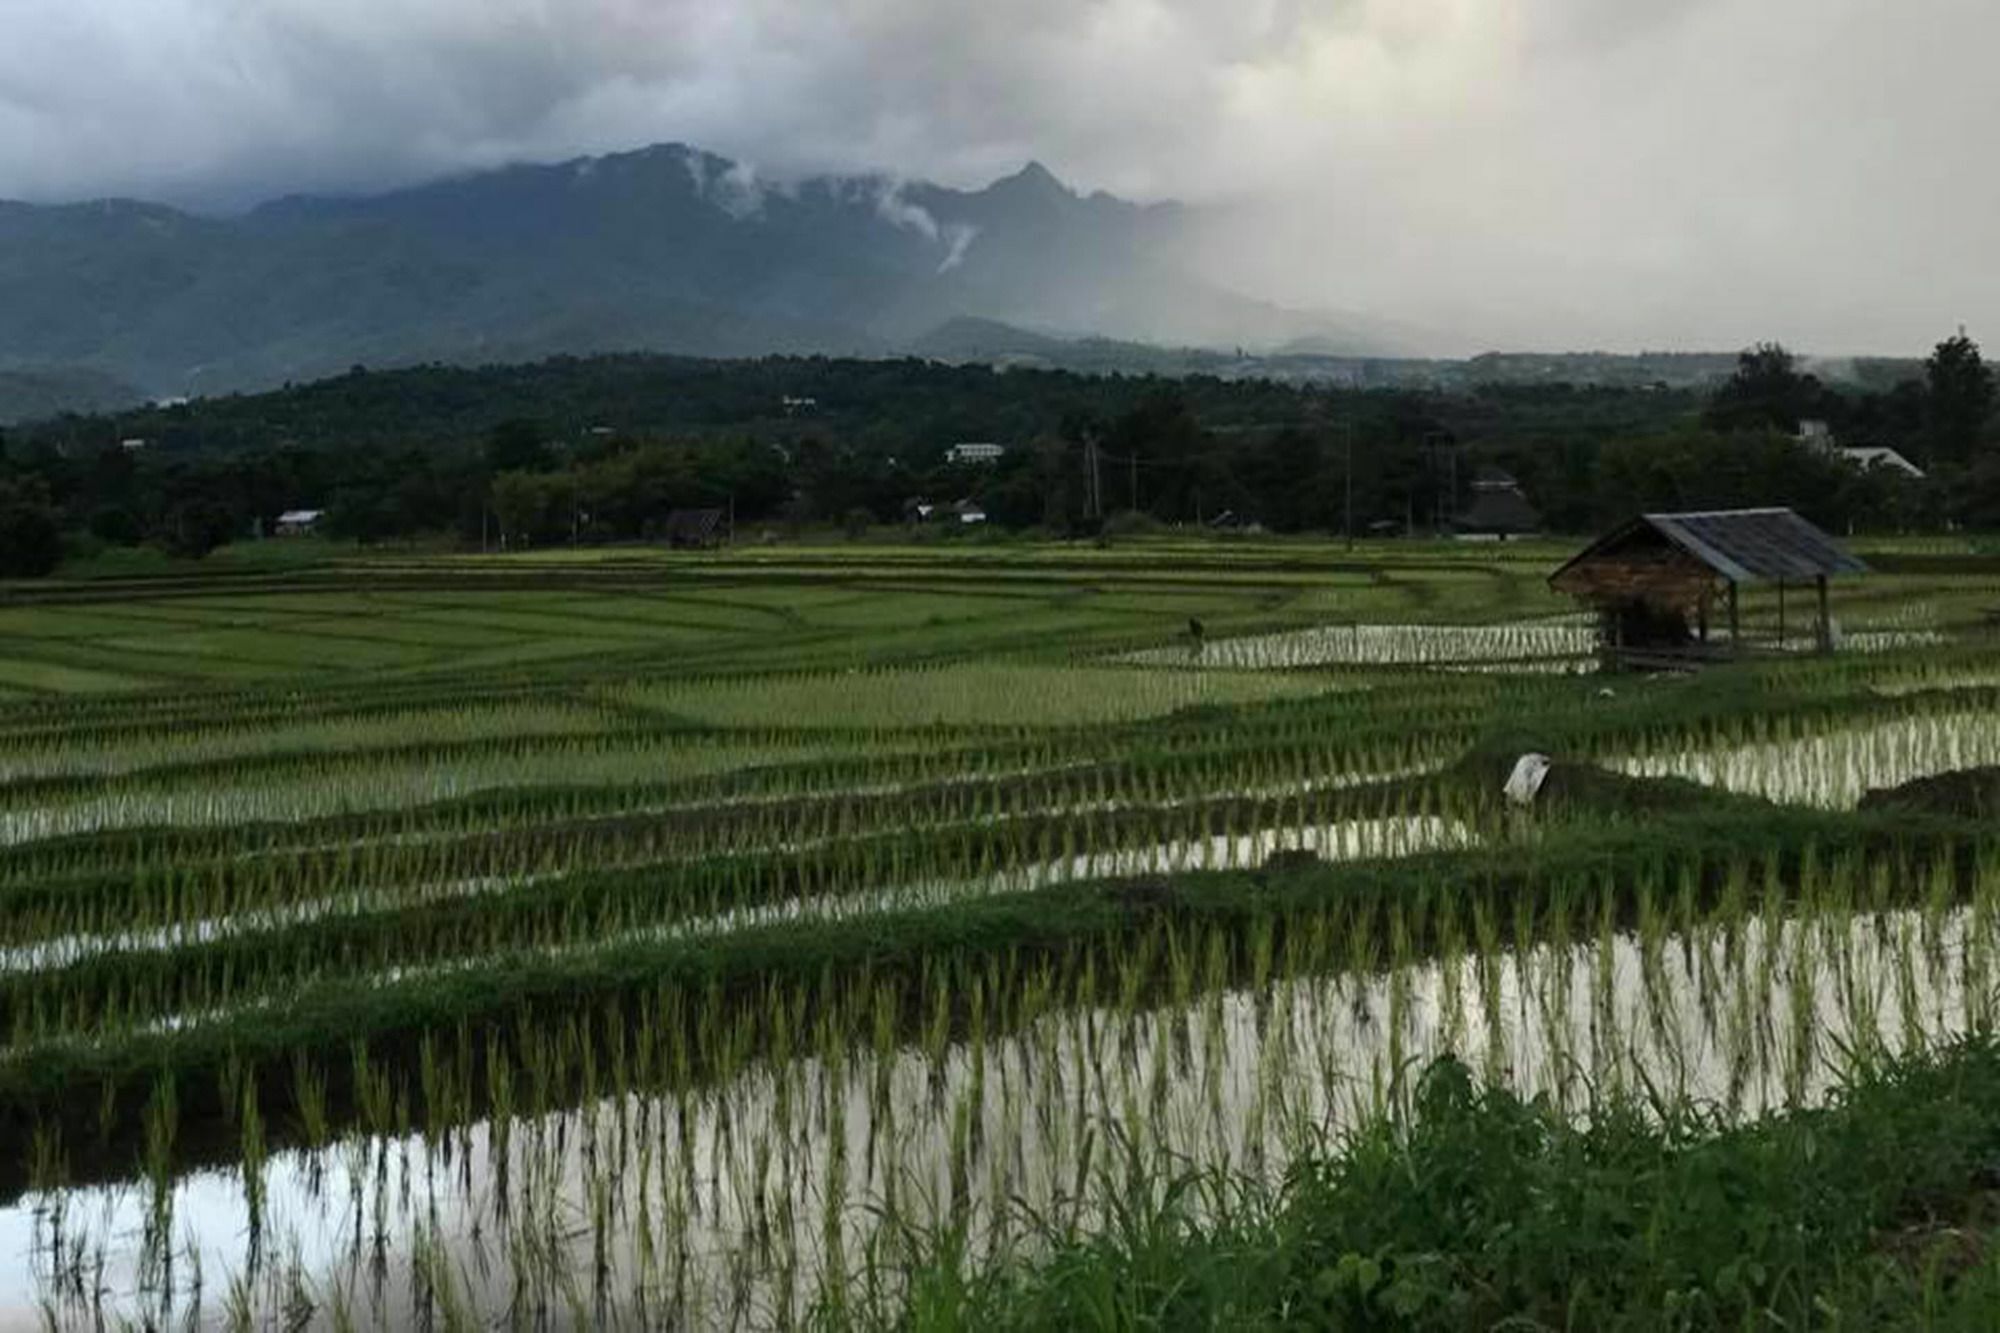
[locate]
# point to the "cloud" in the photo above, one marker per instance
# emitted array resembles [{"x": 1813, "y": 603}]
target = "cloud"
[
  {"x": 1508, "y": 172},
  {"x": 893, "y": 208},
  {"x": 958, "y": 238},
  {"x": 735, "y": 189}
]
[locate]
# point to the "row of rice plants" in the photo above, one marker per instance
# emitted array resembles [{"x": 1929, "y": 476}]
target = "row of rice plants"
[
  {"x": 334, "y": 785},
  {"x": 148, "y": 882},
  {"x": 683, "y": 1155},
  {"x": 1402, "y": 645},
  {"x": 1341, "y": 739},
  {"x": 229, "y": 741},
  {"x": 87, "y": 986},
  {"x": 323, "y": 1017},
  {"x": 961, "y": 694}
]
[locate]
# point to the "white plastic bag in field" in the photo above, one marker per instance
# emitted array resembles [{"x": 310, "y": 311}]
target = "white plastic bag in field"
[{"x": 1525, "y": 782}]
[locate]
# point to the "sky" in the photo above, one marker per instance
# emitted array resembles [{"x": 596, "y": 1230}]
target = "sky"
[{"x": 1520, "y": 174}]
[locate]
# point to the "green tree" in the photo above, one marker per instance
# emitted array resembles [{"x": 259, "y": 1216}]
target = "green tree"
[
  {"x": 1705, "y": 470},
  {"x": 529, "y": 509},
  {"x": 515, "y": 445},
  {"x": 115, "y": 524},
  {"x": 1958, "y": 399},
  {"x": 361, "y": 515},
  {"x": 195, "y": 527},
  {"x": 30, "y": 537},
  {"x": 1767, "y": 392}
]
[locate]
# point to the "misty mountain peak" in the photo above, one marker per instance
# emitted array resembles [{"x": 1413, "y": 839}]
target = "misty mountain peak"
[{"x": 1032, "y": 181}]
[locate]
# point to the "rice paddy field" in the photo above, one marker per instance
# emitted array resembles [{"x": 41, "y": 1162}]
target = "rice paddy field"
[{"x": 928, "y": 937}]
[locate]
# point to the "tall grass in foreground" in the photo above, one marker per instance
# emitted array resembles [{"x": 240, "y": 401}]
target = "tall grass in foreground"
[{"x": 1477, "y": 1208}]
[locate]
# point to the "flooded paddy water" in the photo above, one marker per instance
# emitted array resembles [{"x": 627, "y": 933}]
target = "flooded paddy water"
[{"x": 736, "y": 1201}]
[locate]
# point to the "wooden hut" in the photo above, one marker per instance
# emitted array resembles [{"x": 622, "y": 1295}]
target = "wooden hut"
[{"x": 1656, "y": 581}]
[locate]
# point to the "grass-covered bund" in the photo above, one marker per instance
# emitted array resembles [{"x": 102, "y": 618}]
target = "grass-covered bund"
[
  {"x": 1471, "y": 1207},
  {"x": 864, "y": 937}
]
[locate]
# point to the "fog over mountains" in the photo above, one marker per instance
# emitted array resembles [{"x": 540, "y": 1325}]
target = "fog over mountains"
[{"x": 667, "y": 249}]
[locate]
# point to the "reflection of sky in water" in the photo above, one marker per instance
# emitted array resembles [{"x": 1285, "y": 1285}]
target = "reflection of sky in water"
[
  {"x": 1745, "y": 1019},
  {"x": 1391, "y": 645},
  {"x": 1837, "y": 769}
]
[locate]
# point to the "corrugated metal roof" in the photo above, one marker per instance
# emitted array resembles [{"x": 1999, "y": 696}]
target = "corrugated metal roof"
[{"x": 1743, "y": 545}]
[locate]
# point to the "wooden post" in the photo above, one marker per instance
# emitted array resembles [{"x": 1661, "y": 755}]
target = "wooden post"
[
  {"x": 1702, "y": 613},
  {"x": 1735, "y": 624},
  {"x": 1781, "y": 615},
  {"x": 1825, "y": 619}
]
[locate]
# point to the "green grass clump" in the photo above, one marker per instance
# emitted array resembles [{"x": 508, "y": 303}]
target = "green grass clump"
[{"x": 1472, "y": 1208}]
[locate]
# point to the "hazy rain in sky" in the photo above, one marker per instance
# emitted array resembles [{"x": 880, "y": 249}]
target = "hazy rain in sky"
[{"x": 1545, "y": 173}]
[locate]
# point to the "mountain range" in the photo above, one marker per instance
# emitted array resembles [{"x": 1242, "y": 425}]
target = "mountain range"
[{"x": 664, "y": 249}]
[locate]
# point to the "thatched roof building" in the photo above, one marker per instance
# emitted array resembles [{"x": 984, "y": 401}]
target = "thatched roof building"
[{"x": 1655, "y": 579}]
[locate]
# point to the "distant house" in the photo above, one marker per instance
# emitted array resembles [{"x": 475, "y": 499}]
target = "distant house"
[
  {"x": 917, "y": 509},
  {"x": 1498, "y": 510},
  {"x": 1817, "y": 435},
  {"x": 299, "y": 522},
  {"x": 695, "y": 529},
  {"x": 134, "y": 445},
  {"x": 976, "y": 452}
]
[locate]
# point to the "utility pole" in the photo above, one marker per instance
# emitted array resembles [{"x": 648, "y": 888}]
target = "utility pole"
[
  {"x": 1093, "y": 480},
  {"x": 1431, "y": 441},
  {"x": 1134, "y": 460},
  {"x": 1451, "y": 499},
  {"x": 1347, "y": 522}
]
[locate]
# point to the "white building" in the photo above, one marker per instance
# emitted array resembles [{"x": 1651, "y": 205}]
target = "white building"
[
  {"x": 1866, "y": 456},
  {"x": 978, "y": 451},
  {"x": 1862, "y": 457},
  {"x": 299, "y": 522}
]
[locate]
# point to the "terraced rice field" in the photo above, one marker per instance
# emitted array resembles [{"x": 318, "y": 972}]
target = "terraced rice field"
[{"x": 640, "y": 941}]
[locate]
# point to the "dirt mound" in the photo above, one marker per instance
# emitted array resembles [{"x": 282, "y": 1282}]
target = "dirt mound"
[
  {"x": 1574, "y": 786},
  {"x": 1972, "y": 793}
]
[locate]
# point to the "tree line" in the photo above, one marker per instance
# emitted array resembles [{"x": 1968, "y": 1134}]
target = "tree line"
[{"x": 791, "y": 442}]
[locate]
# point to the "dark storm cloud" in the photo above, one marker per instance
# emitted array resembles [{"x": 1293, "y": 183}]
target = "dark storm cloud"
[{"x": 1519, "y": 172}]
